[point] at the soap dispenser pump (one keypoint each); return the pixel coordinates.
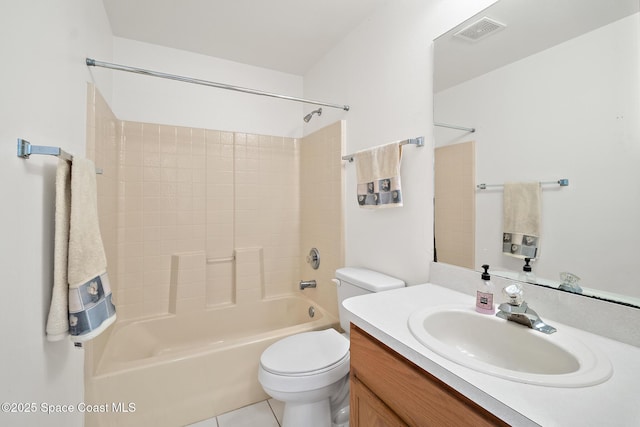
(484, 294)
(526, 275)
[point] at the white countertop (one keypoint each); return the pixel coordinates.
(616, 402)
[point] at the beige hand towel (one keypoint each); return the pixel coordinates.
(378, 176)
(91, 309)
(521, 220)
(58, 320)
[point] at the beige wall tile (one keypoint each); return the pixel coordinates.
(322, 226)
(187, 282)
(219, 284)
(455, 204)
(177, 189)
(104, 139)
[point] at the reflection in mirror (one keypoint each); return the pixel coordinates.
(555, 94)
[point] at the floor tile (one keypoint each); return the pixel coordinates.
(278, 409)
(211, 422)
(258, 414)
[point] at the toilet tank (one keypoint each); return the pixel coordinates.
(353, 281)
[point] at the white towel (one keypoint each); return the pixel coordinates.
(81, 303)
(91, 309)
(58, 320)
(521, 220)
(378, 176)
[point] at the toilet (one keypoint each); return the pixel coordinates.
(309, 371)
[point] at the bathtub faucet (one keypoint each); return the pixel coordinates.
(307, 284)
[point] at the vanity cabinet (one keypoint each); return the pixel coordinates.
(389, 390)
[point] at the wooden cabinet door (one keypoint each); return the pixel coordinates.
(411, 394)
(369, 411)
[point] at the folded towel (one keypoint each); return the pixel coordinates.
(378, 176)
(58, 320)
(521, 233)
(91, 309)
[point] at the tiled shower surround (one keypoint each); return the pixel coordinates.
(235, 214)
(455, 195)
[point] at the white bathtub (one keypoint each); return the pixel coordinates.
(176, 370)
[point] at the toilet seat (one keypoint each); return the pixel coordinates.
(309, 371)
(307, 353)
(304, 362)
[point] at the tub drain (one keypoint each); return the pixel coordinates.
(312, 311)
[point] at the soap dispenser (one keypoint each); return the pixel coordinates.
(484, 294)
(526, 275)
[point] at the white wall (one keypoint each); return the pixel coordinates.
(42, 48)
(150, 99)
(568, 112)
(383, 70)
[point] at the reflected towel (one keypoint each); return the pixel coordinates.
(521, 220)
(58, 320)
(378, 176)
(91, 309)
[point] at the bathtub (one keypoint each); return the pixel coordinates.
(176, 370)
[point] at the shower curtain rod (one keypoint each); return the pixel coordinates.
(94, 63)
(446, 125)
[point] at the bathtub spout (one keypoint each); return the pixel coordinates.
(307, 284)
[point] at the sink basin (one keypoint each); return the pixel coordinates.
(509, 350)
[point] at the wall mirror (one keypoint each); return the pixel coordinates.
(552, 88)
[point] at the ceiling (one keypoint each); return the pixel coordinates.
(531, 26)
(283, 35)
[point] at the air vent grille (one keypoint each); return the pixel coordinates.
(480, 29)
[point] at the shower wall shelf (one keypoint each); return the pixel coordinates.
(231, 258)
(419, 142)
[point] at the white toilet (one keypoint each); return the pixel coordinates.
(309, 371)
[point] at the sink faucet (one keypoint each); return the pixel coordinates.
(570, 283)
(307, 284)
(517, 310)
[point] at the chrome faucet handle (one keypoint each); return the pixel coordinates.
(517, 310)
(508, 308)
(569, 277)
(570, 283)
(514, 293)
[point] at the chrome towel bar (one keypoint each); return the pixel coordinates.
(564, 182)
(26, 149)
(419, 141)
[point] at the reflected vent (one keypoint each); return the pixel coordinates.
(480, 29)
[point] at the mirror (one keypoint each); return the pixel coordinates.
(555, 94)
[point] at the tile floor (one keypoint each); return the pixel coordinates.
(267, 413)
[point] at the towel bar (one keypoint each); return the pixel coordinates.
(564, 182)
(25, 149)
(419, 141)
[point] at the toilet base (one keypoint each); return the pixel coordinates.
(310, 414)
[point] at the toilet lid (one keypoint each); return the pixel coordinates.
(305, 353)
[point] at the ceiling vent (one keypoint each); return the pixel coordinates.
(480, 29)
